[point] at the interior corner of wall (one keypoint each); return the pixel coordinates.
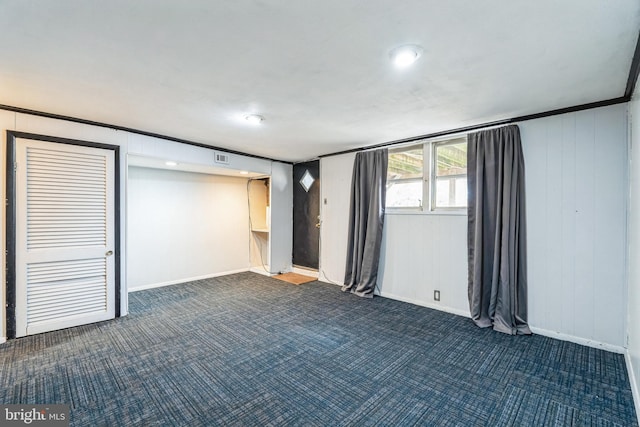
(633, 380)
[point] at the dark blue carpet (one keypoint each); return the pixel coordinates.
(249, 350)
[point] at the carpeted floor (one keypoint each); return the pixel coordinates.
(250, 350)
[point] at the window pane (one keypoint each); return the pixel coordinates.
(404, 194)
(442, 193)
(405, 164)
(451, 159)
(451, 192)
(461, 192)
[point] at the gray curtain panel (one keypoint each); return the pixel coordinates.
(366, 219)
(497, 230)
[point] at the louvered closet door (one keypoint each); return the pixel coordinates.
(64, 236)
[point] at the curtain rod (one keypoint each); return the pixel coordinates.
(486, 125)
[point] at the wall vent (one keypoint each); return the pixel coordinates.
(222, 158)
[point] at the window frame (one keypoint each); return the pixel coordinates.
(434, 178)
(421, 179)
(429, 179)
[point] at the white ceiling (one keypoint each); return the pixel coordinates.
(318, 71)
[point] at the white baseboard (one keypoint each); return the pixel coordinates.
(305, 272)
(439, 307)
(324, 279)
(260, 270)
(578, 340)
(634, 383)
(188, 279)
(535, 330)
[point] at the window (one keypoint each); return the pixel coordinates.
(442, 164)
(404, 177)
(450, 174)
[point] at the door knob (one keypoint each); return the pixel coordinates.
(109, 253)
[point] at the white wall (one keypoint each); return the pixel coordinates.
(335, 193)
(148, 146)
(63, 129)
(420, 252)
(423, 253)
(633, 346)
(577, 185)
(184, 226)
(281, 186)
(576, 177)
(131, 143)
(281, 235)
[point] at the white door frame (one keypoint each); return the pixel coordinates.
(12, 136)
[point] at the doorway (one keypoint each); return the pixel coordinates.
(306, 214)
(62, 233)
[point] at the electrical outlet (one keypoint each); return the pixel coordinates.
(436, 295)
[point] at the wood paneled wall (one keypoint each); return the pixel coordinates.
(633, 303)
(577, 185)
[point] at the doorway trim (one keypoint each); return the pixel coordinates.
(10, 255)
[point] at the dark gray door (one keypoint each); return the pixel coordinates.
(306, 214)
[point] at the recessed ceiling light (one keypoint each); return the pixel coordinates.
(170, 163)
(403, 56)
(244, 173)
(254, 119)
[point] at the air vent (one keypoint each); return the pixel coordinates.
(222, 158)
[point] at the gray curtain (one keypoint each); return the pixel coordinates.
(366, 219)
(497, 230)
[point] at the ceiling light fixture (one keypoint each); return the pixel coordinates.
(254, 119)
(403, 56)
(244, 173)
(170, 163)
